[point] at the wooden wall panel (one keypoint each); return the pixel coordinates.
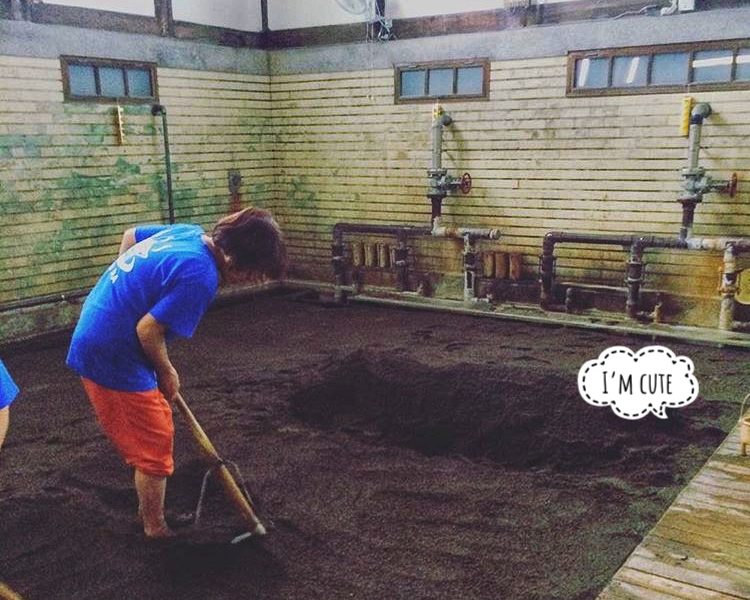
(68, 190)
(539, 161)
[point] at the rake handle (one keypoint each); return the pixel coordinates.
(228, 482)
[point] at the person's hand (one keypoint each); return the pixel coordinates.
(169, 383)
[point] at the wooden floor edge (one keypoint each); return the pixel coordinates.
(666, 587)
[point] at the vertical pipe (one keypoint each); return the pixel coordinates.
(693, 174)
(440, 120)
(728, 289)
(688, 217)
(694, 142)
(337, 262)
(161, 109)
(547, 270)
(634, 279)
(402, 264)
(470, 267)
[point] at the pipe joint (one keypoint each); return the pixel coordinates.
(700, 111)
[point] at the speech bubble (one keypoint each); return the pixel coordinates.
(637, 383)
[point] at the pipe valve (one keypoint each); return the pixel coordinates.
(441, 183)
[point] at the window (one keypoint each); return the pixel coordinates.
(444, 81)
(108, 80)
(669, 68)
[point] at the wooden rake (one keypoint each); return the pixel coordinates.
(236, 493)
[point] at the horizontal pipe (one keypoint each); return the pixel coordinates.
(339, 229)
(556, 237)
(718, 244)
(44, 300)
(451, 231)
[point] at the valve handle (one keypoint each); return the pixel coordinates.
(465, 183)
(732, 187)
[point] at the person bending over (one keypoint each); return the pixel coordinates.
(159, 286)
(8, 393)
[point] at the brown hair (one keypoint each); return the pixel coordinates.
(253, 240)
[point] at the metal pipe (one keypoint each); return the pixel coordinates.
(547, 259)
(43, 300)
(470, 269)
(694, 181)
(718, 244)
(339, 270)
(635, 243)
(339, 229)
(402, 263)
(454, 231)
(634, 280)
(688, 218)
(402, 233)
(700, 111)
(728, 289)
(157, 109)
(438, 179)
(439, 121)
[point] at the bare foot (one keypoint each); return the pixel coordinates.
(158, 533)
(173, 519)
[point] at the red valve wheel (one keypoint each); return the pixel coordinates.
(465, 185)
(732, 189)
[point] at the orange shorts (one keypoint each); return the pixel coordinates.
(139, 424)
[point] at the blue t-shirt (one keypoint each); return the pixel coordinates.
(169, 273)
(8, 387)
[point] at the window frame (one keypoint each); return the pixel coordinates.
(484, 63)
(691, 48)
(97, 63)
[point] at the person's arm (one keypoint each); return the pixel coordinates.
(151, 334)
(128, 240)
(4, 418)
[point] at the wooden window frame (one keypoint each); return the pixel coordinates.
(690, 48)
(484, 63)
(97, 63)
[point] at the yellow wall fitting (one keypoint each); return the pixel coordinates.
(437, 110)
(119, 125)
(687, 107)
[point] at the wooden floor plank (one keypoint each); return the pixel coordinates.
(625, 590)
(649, 583)
(700, 548)
(705, 527)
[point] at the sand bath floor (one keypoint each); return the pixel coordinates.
(398, 454)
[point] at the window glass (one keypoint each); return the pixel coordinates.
(742, 69)
(412, 83)
(82, 81)
(470, 80)
(629, 71)
(669, 68)
(712, 65)
(139, 83)
(112, 82)
(592, 72)
(440, 82)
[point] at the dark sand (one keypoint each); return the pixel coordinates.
(399, 454)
